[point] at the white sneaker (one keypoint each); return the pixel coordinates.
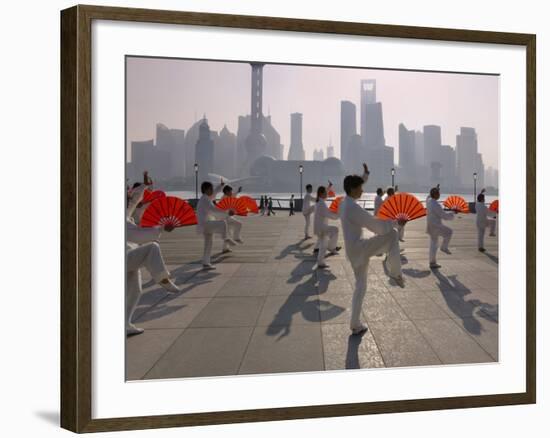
(132, 330)
(170, 286)
(322, 266)
(226, 250)
(230, 241)
(208, 266)
(240, 241)
(359, 330)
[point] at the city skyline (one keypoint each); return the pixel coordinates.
(178, 93)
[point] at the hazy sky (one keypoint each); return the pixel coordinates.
(177, 92)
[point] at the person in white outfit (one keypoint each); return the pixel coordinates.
(483, 221)
(234, 225)
(390, 191)
(359, 249)
(435, 227)
(378, 200)
(327, 235)
(142, 250)
(308, 207)
(211, 220)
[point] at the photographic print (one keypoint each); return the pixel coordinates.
(286, 218)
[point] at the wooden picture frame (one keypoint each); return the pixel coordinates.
(76, 218)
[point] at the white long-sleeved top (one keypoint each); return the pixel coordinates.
(207, 211)
(135, 233)
(322, 215)
(482, 213)
(435, 214)
(308, 204)
(378, 201)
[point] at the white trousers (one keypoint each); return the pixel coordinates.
(234, 227)
(307, 217)
(401, 231)
(327, 239)
(446, 233)
(491, 224)
(387, 243)
(149, 257)
(209, 229)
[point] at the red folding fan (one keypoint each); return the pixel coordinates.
(494, 206)
(335, 204)
(238, 205)
(401, 206)
(168, 210)
(251, 205)
(150, 195)
(331, 193)
(456, 203)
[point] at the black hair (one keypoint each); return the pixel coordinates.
(320, 189)
(352, 182)
(205, 186)
(390, 190)
(309, 186)
(136, 184)
(481, 197)
(433, 191)
(227, 189)
(379, 191)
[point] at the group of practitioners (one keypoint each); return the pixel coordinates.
(143, 250)
(386, 237)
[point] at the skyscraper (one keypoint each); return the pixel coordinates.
(373, 121)
(407, 152)
(255, 142)
(466, 156)
(204, 151)
(368, 96)
(348, 128)
(296, 150)
(432, 144)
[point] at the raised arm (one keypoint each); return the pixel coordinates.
(438, 211)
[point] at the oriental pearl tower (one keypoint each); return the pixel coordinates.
(255, 142)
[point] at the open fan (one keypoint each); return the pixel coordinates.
(335, 204)
(168, 210)
(494, 206)
(150, 195)
(401, 206)
(331, 193)
(238, 205)
(456, 203)
(251, 205)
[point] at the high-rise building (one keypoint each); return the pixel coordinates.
(466, 156)
(448, 166)
(480, 170)
(374, 126)
(172, 141)
(432, 144)
(318, 155)
(255, 142)
(348, 128)
(419, 148)
(274, 148)
(330, 151)
(204, 151)
(296, 150)
(368, 96)
(225, 153)
(407, 159)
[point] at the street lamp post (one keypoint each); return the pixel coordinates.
(475, 183)
(393, 176)
(301, 169)
(197, 182)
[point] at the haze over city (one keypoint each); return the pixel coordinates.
(179, 93)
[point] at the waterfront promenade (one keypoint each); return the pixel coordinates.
(265, 309)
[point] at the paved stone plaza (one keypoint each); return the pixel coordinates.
(265, 309)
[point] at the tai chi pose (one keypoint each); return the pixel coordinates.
(378, 200)
(234, 225)
(147, 255)
(390, 191)
(435, 227)
(359, 250)
(307, 209)
(323, 230)
(208, 225)
(483, 221)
